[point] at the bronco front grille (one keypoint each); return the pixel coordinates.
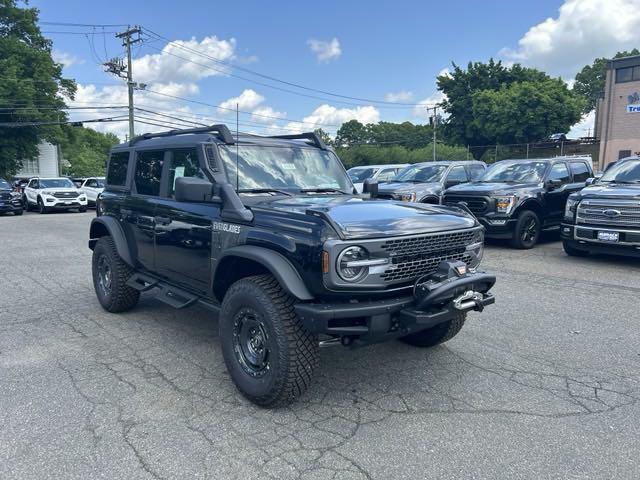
(625, 213)
(413, 257)
(477, 205)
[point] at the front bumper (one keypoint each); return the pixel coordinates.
(10, 205)
(495, 228)
(61, 204)
(585, 238)
(436, 300)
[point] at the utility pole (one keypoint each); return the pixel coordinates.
(116, 66)
(435, 126)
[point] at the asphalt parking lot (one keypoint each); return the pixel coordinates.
(545, 384)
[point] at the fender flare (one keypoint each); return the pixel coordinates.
(278, 265)
(529, 203)
(115, 232)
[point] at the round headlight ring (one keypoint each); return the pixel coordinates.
(352, 274)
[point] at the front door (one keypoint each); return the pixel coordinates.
(183, 231)
(556, 198)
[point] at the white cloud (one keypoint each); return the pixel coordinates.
(66, 59)
(176, 65)
(325, 51)
(584, 128)
(424, 109)
(247, 100)
(266, 114)
(401, 96)
(326, 115)
(582, 31)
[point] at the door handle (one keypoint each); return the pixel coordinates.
(162, 220)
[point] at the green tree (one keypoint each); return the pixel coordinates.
(324, 136)
(31, 86)
(380, 155)
(351, 133)
(461, 85)
(86, 150)
(591, 79)
(524, 112)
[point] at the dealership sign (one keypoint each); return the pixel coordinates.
(633, 103)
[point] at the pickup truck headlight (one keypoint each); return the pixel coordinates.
(570, 209)
(408, 197)
(505, 203)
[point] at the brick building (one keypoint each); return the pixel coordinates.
(618, 112)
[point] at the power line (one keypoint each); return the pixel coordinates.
(67, 24)
(51, 32)
(73, 122)
(275, 79)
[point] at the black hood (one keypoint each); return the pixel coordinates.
(486, 188)
(612, 190)
(358, 217)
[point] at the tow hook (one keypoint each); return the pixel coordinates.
(467, 300)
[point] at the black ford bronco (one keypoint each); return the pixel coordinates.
(269, 233)
(517, 199)
(604, 217)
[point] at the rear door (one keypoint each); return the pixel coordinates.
(556, 199)
(183, 231)
(140, 208)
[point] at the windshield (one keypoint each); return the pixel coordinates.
(283, 168)
(4, 184)
(359, 175)
(517, 172)
(56, 183)
(421, 174)
(623, 172)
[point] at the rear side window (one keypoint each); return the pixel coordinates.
(580, 171)
(475, 172)
(148, 172)
(184, 164)
(118, 165)
(457, 174)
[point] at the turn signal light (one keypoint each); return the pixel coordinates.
(325, 262)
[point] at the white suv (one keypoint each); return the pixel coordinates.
(92, 187)
(47, 194)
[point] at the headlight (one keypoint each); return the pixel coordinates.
(504, 204)
(408, 197)
(350, 264)
(83, 198)
(476, 249)
(570, 209)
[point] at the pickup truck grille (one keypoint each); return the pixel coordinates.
(477, 205)
(624, 213)
(5, 196)
(65, 194)
(413, 257)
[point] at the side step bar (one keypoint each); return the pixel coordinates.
(172, 296)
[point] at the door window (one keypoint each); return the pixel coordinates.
(148, 172)
(458, 175)
(559, 172)
(92, 184)
(386, 175)
(580, 171)
(117, 172)
(183, 164)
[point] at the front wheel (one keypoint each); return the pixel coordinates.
(82, 209)
(573, 252)
(270, 356)
(110, 275)
(441, 333)
(527, 230)
(18, 212)
(41, 207)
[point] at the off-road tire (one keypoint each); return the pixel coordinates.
(119, 297)
(524, 221)
(17, 212)
(441, 333)
(42, 207)
(573, 252)
(293, 352)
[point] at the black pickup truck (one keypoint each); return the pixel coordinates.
(604, 217)
(517, 199)
(269, 233)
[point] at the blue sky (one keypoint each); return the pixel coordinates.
(375, 50)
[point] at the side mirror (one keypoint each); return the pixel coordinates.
(590, 181)
(193, 189)
(553, 183)
(371, 187)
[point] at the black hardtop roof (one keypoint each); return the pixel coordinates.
(218, 134)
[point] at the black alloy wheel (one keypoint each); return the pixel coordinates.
(251, 342)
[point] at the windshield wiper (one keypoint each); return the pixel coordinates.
(265, 190)
(321, 190)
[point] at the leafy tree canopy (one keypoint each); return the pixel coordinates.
(591, 79)
(381, 155)
(384, 133)
(32, 88)
(86, 150)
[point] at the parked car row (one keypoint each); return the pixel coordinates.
(49, 194)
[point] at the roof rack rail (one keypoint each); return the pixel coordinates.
(221, 130)
(313, 136)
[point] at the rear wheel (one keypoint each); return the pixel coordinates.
(573, 252)
(527, 230)
(270, 356)
(436, 335)
(110, 275)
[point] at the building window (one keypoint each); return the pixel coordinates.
(627, 74)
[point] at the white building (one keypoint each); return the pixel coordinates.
(46, 164)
